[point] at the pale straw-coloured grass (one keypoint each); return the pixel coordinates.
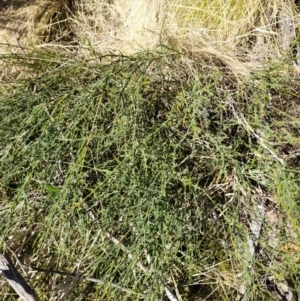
(242, 35)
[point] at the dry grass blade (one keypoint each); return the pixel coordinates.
(122, 289)
(69, 288)
(169, 294)
(241, 119)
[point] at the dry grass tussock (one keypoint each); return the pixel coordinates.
(239, 34)
(26, 23)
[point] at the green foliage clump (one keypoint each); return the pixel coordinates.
(170, 163)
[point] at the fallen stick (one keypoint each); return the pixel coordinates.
(15, 280)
